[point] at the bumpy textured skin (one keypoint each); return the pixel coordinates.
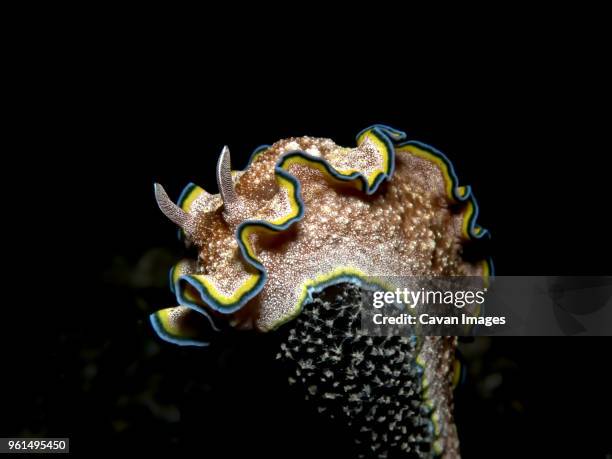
(373, 384)
(306, 214)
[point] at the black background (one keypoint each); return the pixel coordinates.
(522, 125)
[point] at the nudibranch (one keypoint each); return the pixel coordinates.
(307, 214)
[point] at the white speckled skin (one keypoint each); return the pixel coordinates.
(406, 228)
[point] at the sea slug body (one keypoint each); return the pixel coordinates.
(306, 214)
